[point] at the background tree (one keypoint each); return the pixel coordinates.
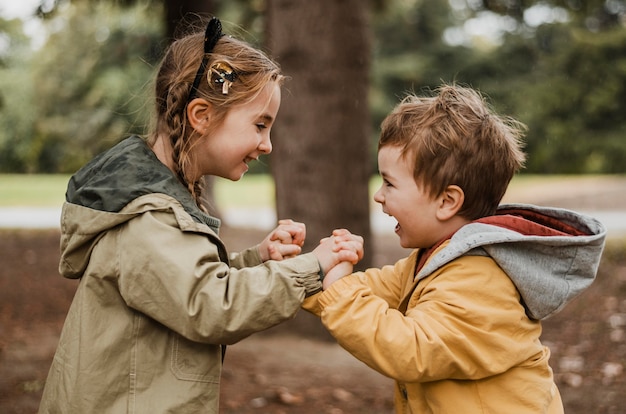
(557, 65)
(76, 97)
(187, 11)
(16, 90)
(321, 158)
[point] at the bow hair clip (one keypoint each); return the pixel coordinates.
(221, 73)
(212, 34)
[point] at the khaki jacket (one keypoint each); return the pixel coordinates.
(158, 300)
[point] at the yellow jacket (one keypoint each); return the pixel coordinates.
(461, 334)
(462, 345)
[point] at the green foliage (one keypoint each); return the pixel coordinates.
(89, 85)
(15, 92)
(573, 102)
(410, 54)
(566, 81)
(83, 90)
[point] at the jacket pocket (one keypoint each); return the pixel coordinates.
(194, 361)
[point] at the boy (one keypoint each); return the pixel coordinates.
(457, 323)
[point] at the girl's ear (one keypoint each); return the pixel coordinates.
(450, 202)
(198, 114)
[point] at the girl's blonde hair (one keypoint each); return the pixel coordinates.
(456, 139)
(253, 70)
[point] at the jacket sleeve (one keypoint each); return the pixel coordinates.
(246, 258)
(383, 284)
(463, 322)
(176, 278)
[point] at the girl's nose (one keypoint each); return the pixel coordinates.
(266, 145)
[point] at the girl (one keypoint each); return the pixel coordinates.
(159, 296)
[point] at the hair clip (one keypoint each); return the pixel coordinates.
(221, 73)
(212, 34)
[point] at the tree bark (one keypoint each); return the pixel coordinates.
(187, 11)
(321, 158)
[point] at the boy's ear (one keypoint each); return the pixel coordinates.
(198, 114)
(451, 201)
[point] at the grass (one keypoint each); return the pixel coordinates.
(253, 190)
(33, 190)
(48, 190)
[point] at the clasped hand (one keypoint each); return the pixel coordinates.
(337, 254)
(285, 241)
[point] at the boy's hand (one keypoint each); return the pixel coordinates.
(339, 247)
(342, 269)
(284, 241)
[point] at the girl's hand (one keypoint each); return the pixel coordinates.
(284, 241)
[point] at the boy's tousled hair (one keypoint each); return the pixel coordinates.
(173, 83)
(456, 139)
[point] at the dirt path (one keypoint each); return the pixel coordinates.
(286, 373)
(280, 371)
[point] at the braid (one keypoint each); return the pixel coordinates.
(198, 190)
(176, 124)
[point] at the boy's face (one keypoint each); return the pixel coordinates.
(401, 198)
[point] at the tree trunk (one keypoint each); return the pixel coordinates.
(187, 11)
(321, 159)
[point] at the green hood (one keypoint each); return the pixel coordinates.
(115, 187)
(125, 172)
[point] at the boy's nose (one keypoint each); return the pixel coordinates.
(378, 196)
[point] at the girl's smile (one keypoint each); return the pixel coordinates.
(241, 138)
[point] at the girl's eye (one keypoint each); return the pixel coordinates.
(261, 127)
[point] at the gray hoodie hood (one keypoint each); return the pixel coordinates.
(550, 254)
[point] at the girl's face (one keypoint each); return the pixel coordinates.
(242, 137)
(401, 197)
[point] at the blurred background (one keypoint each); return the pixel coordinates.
(76, 78)
(75, 75)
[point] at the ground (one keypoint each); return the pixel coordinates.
(286, 371)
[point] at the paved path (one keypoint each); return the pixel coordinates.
(603, 197)
(48, 217)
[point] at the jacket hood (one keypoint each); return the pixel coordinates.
(111, 189)
(550, 254)
(125, 172)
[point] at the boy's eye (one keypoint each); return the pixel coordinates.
(261, 126)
